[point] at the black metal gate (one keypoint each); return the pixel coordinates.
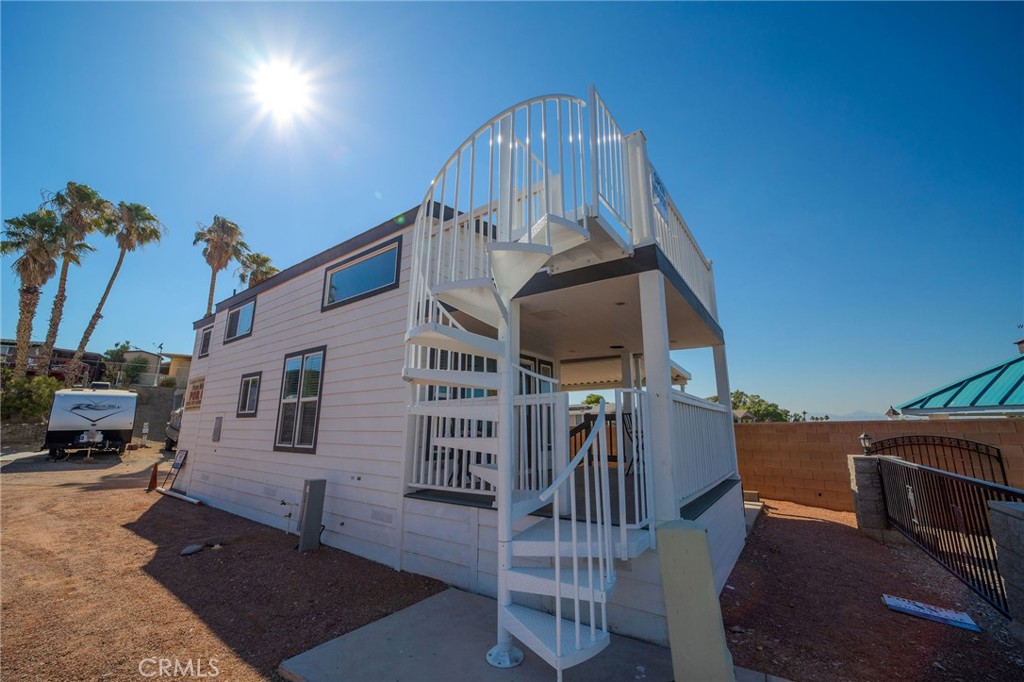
(964, 457)
(946, 515)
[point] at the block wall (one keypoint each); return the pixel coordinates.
(806, 462)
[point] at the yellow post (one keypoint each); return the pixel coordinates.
(695, 630)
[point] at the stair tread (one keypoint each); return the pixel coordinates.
(446, 377)
(476, 297)
(538, 539)
(442, 408)
(470, 443)
(564, 233)
(537, 630)
(442, 336)
(541, 580)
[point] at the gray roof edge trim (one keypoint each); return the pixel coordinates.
(385, 229)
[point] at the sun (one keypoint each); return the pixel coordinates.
(282, 89)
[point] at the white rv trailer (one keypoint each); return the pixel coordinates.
(89, 418)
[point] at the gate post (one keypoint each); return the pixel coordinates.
(868, 499)
(1007, 522)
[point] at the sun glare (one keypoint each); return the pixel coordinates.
(282, 89)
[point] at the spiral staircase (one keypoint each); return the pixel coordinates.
(510, 200)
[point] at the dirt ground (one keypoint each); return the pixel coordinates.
(93, 586)
(804, 602)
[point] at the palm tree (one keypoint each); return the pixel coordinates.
(81, 211)
(133, 226)
(223, 243)
(254, 268)
(35, 236)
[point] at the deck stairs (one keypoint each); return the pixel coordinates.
(510, 203)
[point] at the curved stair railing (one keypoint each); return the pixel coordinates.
(511, 197)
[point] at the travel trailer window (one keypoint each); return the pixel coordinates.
(204, 342)
(240, 321)
(249, 394)
(370, 273)
(299, 412)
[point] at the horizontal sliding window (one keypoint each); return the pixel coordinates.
(367, 274)
(240, 321)
(299, 414)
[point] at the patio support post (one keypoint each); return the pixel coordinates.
(725, 397)
(659, 391)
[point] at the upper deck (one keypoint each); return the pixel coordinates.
(563, 157)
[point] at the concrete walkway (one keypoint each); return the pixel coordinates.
(445, 638)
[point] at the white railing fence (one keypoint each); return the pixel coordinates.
(633, 464)
(702, 437)
(609, 167)
(673, 235)
(524, 163)
(444, 417)
(589, 566)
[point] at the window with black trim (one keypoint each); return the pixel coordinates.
(240, 321)
(249, 394)
(205, 337)
(367, 274)
(299, 413)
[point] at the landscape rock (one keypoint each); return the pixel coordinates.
(192, 549)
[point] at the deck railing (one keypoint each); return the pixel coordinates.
(609, 168)
(633, 464)
(677, 243)
(702, 438)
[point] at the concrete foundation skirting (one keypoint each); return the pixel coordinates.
(1007, 522)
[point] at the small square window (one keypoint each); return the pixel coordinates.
(368, 274)
(240, 321)
(249, 394)
(204, 341)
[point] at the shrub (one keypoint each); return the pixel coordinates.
(169, 382)
(27, 399)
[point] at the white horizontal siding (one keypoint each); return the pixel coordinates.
(360, 439)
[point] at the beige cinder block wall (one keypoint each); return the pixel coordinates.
(805, 462)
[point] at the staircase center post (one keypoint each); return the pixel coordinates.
(504, 654)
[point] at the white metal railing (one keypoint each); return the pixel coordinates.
(677, 243)
(609, 169)
(702, 440)
(443, 455)
(590, 562)
(526, 162)
(633, 464)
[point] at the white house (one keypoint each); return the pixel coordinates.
(417, 367)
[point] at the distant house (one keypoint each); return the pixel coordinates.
(743, 417)
(60, 359)
(177, 367)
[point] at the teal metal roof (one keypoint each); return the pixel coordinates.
(997, 389)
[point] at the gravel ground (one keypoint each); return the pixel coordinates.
(93, 585)
(805, 602)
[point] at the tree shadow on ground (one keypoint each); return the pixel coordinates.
(261, 597)
(804, 601)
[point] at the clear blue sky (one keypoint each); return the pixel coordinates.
(855, 171)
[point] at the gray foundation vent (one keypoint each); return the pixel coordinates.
(312, 513)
